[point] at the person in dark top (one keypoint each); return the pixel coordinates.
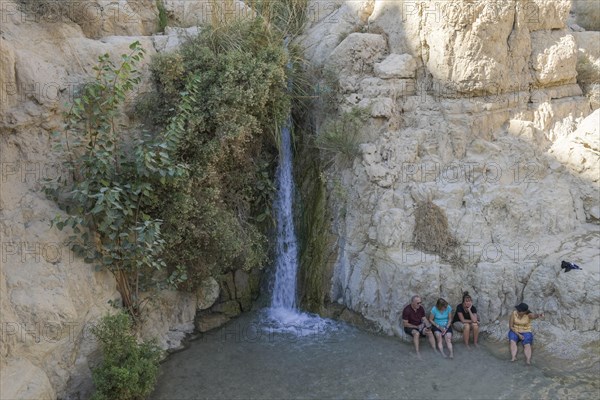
(415, 324)
(466, 320)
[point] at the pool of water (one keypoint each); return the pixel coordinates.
(251, 359)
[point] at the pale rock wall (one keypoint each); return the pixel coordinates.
(49, 298)
(486, 129)
(189, 13)
(587, 14)
(97, 18)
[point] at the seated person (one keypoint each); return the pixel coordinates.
(441, 317)
(519, 330)
(466, 320)
(415, 324)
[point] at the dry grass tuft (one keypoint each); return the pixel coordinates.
(431, 233)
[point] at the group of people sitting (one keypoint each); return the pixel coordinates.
(442, 319)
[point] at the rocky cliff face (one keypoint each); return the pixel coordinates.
(476, 112)
(49, 298)
(476, 107)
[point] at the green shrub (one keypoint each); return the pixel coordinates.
(163, 19)
(129, 369)
(114, 188)
(227, 90)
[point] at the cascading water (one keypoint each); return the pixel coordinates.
(283, 315)
(286, 261)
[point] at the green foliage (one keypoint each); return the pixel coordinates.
(129, 369)
(313, 235)
(115, 179)
(163, 20)
(229, 88)
(287, 16)
(341, 135)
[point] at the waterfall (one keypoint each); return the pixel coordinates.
(283, 315)
(286, 251)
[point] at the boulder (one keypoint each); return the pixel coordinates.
(207, 293)
(208, 322)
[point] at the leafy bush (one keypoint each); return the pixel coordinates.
(129, 369)
(229, 85)
(115, 179)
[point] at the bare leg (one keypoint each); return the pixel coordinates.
(449, 344)
(438, 337)
(527, 351)
(431, 339)
(476, 335)
(513, 350)
(466, 331)
(416, 342)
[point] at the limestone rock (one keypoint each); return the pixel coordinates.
(8, 79)
(396, 66)
(587, 14)
(243, 290)
(487, 130)
(554, 56)
(229, 308)
(173, 38)
(357, 53)
(207, 293)
(588, 65)
(31, 381)
(330, 21)
(380, 107)
(205, 323)
(169, 317)
(541, 14)
(580, 153)
(195, 13)
(227, 285)
(49, 294)
(99, 18)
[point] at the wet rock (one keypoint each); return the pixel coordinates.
(243, 291)
(207, 322)
(229, 308)
(227, 287)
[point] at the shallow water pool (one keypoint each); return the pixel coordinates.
(247, 359)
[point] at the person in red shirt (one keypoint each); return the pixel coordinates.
(416, 324)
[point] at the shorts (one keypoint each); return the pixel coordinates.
(527, 337)
(436, 329)
(459, 326)
(409, 331)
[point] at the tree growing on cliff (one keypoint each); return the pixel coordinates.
(114, 180)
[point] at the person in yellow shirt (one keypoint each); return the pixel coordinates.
(519, 326)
